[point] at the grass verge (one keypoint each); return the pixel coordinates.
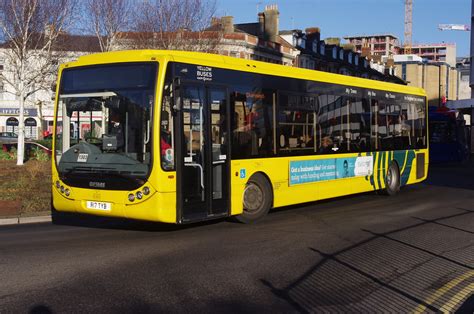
(25, 189)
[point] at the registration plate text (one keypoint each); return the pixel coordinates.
(99, 205)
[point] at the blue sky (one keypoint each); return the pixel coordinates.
(338, 18)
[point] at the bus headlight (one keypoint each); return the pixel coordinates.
(62, 188)
(139, 195)
(131, 197)
(58, 184)
(146, 190)
(67, 192)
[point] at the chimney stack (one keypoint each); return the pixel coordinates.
(261, 25)
(313, 34)
(271, 17)
(227, 24)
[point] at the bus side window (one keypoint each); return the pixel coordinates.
(359, 122)
(239, 138)
(325, 142)
(374, 137)
(295, 123)
(252, 124)
(383, 124)
(420, 124)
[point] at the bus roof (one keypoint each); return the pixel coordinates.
(219, 61)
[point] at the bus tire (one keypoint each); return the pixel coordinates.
(258, 199)
(392, 179)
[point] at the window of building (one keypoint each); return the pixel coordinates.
(404, 71)
(301, 42)
(31, 130)
(12, 125)
(322, 48)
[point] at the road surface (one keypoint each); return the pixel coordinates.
(411, 252)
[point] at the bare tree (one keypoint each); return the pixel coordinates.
(30, 29)
(175, 24)
(106, 19)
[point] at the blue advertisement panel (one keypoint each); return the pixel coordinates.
(306, 171)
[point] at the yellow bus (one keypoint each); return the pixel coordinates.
(181, 137)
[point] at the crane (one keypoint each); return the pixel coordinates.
(453, 27)
(408, 25)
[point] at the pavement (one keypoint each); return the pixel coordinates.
(24, 220)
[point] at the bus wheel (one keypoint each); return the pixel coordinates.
(392, 179)
(257, 199)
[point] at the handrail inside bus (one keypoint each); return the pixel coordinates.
(199, 166)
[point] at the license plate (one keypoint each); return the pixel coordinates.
(99, 205)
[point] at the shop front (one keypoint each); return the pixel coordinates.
(9, 121)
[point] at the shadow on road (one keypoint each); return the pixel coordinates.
(453, 175)
(467, 307)
(90, 221)
(40, 309)
(393, 266)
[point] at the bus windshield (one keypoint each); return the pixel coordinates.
(104, 125)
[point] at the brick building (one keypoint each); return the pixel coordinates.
(379, 44)
(259, 41)
(442, 52)
(330, 56)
